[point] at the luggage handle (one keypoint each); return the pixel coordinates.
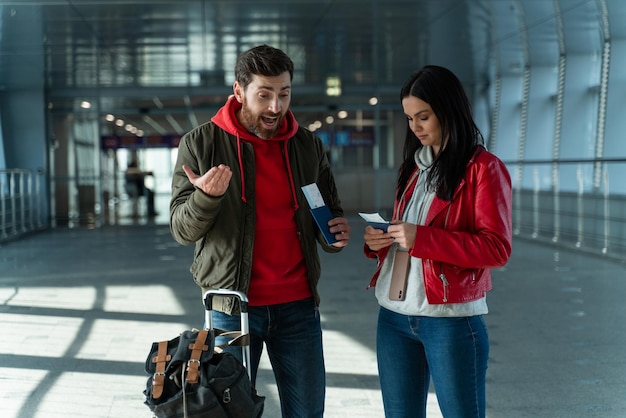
(243, 307)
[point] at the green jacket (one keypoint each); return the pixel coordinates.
(223, 228)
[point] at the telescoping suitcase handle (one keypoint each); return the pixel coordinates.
(243, 307)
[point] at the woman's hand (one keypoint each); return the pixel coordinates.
(403, 233)
(376, 239)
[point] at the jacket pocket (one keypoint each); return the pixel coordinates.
(453, 284)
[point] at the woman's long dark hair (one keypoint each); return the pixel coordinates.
(443, 91)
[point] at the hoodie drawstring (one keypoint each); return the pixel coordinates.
(243, 177)
(292, 185)
(290, 175)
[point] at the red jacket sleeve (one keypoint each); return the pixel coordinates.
(474, 230)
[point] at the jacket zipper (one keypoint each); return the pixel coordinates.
(444, 280)
(442, 275)
(240, 276)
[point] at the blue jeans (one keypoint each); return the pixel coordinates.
(292, 334)
(412, 349)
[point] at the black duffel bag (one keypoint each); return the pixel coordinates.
(189, 379)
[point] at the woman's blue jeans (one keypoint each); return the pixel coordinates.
(292, 334)
(412, 349)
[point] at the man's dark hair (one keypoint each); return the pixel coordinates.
(262, 60)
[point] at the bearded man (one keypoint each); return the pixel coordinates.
(236, 195)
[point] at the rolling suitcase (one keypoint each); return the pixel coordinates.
(241, 337)
(191, 377)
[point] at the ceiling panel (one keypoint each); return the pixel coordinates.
(168, 64)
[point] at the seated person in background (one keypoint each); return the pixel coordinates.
(135, 187)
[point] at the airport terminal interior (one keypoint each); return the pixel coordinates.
(90, 274)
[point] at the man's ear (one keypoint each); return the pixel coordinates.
(238, 91)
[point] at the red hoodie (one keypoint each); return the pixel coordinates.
(278, 269)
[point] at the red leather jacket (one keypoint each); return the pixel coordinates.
(463, 238)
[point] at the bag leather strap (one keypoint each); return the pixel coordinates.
(161, 359)
(235, 339)
(193, 365)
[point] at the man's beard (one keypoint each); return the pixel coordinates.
(254, 125)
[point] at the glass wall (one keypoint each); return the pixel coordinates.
(558, 123)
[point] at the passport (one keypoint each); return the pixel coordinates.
(321, 213)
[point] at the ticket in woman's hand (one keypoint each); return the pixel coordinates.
(375, 220)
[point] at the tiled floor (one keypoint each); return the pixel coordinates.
(80, 308)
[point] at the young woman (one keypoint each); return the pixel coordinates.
(451, 225)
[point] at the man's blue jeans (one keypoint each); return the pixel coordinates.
(411, 349)
(292, 334)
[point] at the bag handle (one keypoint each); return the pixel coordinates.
(235, 339)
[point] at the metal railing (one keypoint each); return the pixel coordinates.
(21, 202)
(581, 215)
(584, 215)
